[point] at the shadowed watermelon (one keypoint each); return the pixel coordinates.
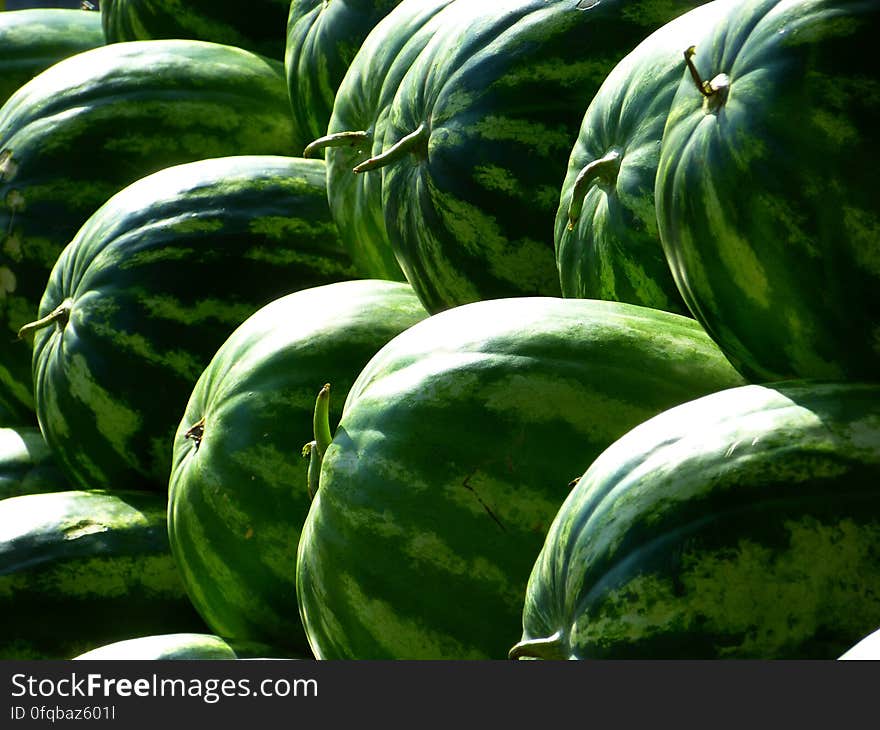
(83, 568)
(32, 40)
(256, 25)
(767, 187)
(322, 40)
(152, 285)
(94, 123)
(453, 454)
(742, 525)
(607, 243)
(27, 465)
(356, 131)
(238, 493)
(478, 135)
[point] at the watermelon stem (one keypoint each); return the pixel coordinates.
(196, 432)
(544, 648)
(59, 315)
(338, 139)
(605, 167)
(316, 449)
(321, 420)
(714, 89)
(401, 148)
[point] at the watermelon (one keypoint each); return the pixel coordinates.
(163, 647)
(32, 40)
(607, 244)
(356, 131)
(183, 646)
(322, 40)
(11, 414)
(867, 648)
(94, 123)
(454, 452)
(742, 525)
(151, 286)
(84, 568)
(478, 133)
(257, 25)
(238, 493)
(767, 186)
(27, 465)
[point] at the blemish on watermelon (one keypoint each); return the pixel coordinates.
(8, 166)
(7, 282)
(83, 528)
(196, 432)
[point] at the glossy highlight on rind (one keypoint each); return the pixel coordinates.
(34, 39)
(766, 191)
(92, 124)
(361, 105)
(503, 88)
(27, 465)
(322, 40)
(456, 447)
(238, 497)
(606, 237)
(157, 279)
(742, 525)
(84, 568)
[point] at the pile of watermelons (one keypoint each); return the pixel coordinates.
(440, 329)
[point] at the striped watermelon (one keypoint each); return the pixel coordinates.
(452, 457)
(257, 25)
(152, 285)
(766, 188)
(84, 568)
(27, 465)
(868, 648)
(478, 134)
(607, 244)
(238, 491)
(163, 647)
(92, 124)
(322, 40)
(32, 40)
(184, 646)
(356, 131)
(745, 524)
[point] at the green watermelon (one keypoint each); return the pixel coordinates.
(868, 648)
(356, 131)
(607, 244)
(152, 285)
(84, 568)
(767, 186)
(452, 456)
(478, 133)
(183, 646)
(238, 490)
(94, 123)
(742, 525)
(27, 465)
(163, 647)
(322, 40)
(32, 40)
(256, 25)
